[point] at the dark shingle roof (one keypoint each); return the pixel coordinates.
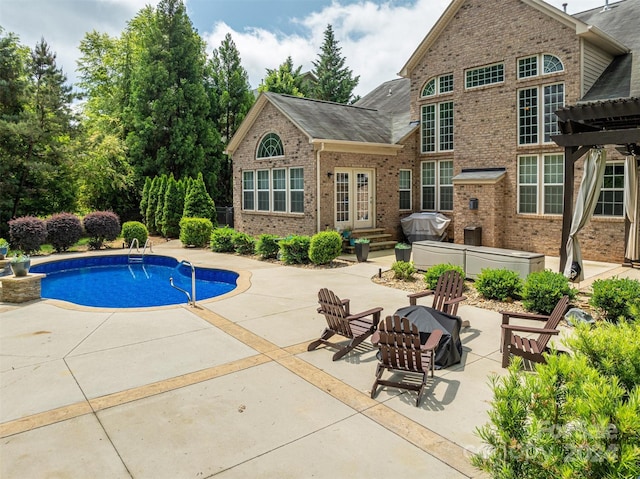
(376, 118)
(620, 21)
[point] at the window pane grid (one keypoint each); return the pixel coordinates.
(485, 75)
(528, 67)
(553, 101)
(342, 197)
(430, 88)
(428, 128)
(270, 146)
(528, 181)
(296, 189)
(404, 187)
(552, 64)
(445, 84)
(248, 192)
(528, 116)
(279, 182)
(611, 199)
(446, 126)
(263, 190)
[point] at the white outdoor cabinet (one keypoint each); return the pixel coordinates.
(429, 253)
(522, 262)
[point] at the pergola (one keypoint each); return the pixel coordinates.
(589, 125)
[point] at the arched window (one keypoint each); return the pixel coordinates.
(552, 64)
(270, 145)
(430, 88)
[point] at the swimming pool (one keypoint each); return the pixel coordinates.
(113, 282)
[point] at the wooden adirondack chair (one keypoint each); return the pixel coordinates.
(530, 348)
(447, 295)
(357, 327)
(400, 351)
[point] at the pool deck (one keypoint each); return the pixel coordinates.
(229, 390)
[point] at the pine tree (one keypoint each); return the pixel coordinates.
(285, 79)
(335, 82)
(173, 207)
(162, 188)
(144, 201)
(150, 214)
(198, 203)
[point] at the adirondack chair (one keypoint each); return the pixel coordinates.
(447, 295)
(357, 327)
(530, 348)
(400, 351)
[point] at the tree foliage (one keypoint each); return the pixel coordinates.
(286, 80)
(335, 82)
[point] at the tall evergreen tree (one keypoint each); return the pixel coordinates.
(36, 131)
(198, 203)
(285, 79)
(231, 99)
(162, 189)
(173, 208)
(150, 213)
(335, 81)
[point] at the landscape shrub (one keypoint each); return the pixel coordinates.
(567, 421)
(198, 203)
(152, 202)
(144, 200)
(325, 246)
(615, 297)
(195, 231)
(403, 270)
(173, 208)
(27, 233)
(267, 246)
(432, 274)
(63, 231)
(295, 249)
(612, 349)
(134, 229)
(221, 240)
(243, 243)
(101, 226)
(501, 284)
(543, 289)
(159, 213)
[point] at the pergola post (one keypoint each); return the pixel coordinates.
(567, 207)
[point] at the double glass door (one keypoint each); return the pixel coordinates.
(354, 198)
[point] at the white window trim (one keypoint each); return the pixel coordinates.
(540, 184)
(262, 158)
(437, 127)
(485, 85)
(437, 86)
(271, 190)
(541, 107)
(437, 186)
(410, 190)
(613, 163)
(540, 66)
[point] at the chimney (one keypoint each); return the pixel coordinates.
(564, 7)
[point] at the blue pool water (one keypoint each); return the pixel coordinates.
(111, 282)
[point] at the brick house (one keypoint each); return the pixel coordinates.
(472, 118)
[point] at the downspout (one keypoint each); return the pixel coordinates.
(318, 187)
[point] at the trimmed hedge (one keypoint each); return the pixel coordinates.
(543, 289)
(325, 246)
(63, 231)
(501, 284)
(268, 246)
(432, 274)
(243, 243)
(27, 234)
(195, 231)
(295, 249)
(221, 240)
(615, 297)
(403, 270)
(134, 229)
(101, 226)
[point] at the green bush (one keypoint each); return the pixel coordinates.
(159, 214)
(198, 203)
(221, 240)
(403, 270)
(134, 229)
(195, 231)
(295, 249)
(500, 284)
(267, 246)
(615, 297)
(172, 209)
(432, 274)
(243, 243)
(614, 350)
(152, 202)
(325, 247)
(567, 421)
(543, 289)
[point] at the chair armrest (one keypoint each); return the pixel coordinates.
(375, 338)
(369, 312)
(511, 314)
(432, 341)
(529, 329)
(455, 300)
(414, 296)
(345, 304)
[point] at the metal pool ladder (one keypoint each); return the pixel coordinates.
(138, 257)
(191, 298)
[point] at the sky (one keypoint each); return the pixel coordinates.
(376, 37)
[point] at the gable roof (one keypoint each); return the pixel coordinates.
(375, 120)
(584, 30)
(621, 79)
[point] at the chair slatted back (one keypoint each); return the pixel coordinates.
(450, 285)
(399, 344)
(335, 312)
(552, 323)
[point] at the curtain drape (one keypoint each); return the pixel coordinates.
(632, 251)
(586, 201)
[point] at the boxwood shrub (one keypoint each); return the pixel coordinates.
(27, 233)
(403, 270)
(221, 240)
(615, 297)
(295, 249)
(325, 246)
(195, 231)
(101, 226)
(63, 231)
(432, 274)
(267, 246)
(134, 229)
(501, 284)
(243, 243)
(543, 289)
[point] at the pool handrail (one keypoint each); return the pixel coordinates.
(191, 298)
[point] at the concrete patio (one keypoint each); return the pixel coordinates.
(228, 389)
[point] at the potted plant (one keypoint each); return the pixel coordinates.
(4, 248)
(362, 249)
(20, 264)
(403, 252)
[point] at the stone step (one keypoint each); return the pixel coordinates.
(373, 246)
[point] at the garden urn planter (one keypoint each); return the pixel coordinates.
(403, 252)
(20, 268)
